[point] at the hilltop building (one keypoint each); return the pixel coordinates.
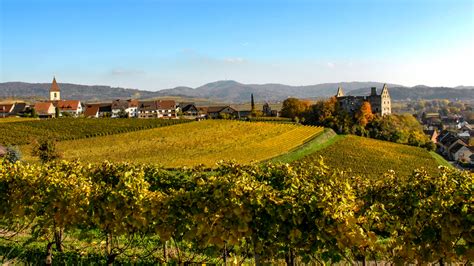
(381, 104)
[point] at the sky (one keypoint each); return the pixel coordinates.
(160, 44)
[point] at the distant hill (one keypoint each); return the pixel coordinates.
(230, 91)
(69, 91)
(425, 92)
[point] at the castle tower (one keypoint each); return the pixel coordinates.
(340, 93)
(373, 91)
(54, 91)
(386, 101)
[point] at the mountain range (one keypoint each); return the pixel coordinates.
(231, 91)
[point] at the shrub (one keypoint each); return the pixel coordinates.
(13, 154)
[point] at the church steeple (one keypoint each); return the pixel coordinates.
(340, 93)
(54, 91)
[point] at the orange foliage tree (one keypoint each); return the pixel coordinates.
(364, 115)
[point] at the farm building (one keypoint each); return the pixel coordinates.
(6, 109)
(219, 111)
(72, 107)
(461, 152)
(158, 109)
(97, 110)
(128, 107)
(44, 109)
(92, 111)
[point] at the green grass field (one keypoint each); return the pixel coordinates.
(320, 141)
(372, 157)
(190, 144)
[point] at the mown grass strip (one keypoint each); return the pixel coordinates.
(440, 160)
(324, 139)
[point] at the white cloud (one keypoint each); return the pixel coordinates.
(234, 60)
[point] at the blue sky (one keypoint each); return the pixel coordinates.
(157, 44)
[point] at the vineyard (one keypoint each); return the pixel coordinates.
(16, 119)
(191, 144)
(21, 132)
(371, 157)
(75, 213)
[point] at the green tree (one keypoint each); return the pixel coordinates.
(57, 113)
(122, 114)
(13, 154)
(46, 150)
(252, 103)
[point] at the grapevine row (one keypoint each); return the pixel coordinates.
(266, 212)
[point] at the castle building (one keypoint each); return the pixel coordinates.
(54, 91)
(381, 104)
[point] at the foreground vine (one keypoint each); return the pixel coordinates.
(264, 213)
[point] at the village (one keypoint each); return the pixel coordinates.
(451, 133)
(453, 136)
(130, 108)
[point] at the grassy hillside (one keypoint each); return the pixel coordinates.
(374, 157)
(190, 144)
(23, 131)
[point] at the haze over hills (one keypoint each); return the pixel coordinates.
(231, 91)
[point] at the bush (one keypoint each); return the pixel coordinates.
(13, 154)
(46, 150)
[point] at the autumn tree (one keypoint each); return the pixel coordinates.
(293, 107)
(364, 115)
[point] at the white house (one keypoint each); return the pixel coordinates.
(158, 109)
(72, 107)
(461, 153)
(130, 107)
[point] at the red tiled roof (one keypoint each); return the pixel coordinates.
(92, 110)
(202, 109)
(54, 85)
(218, 109)
(68, 105)
(166, 104)
(158, 105)
(42, 108)
(6, 108)
(132, 103)
(124, 104)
